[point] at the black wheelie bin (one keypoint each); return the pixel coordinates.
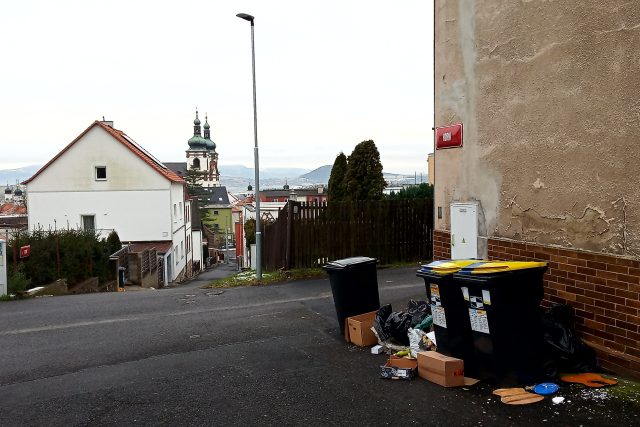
(354, 284)
(503, 302)
(449, 310)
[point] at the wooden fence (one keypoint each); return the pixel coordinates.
(309, 235)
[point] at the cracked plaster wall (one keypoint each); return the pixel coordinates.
(547, 93)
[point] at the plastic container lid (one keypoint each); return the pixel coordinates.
(447, 267)
(488, 267)
(546, 389)
(341, 264)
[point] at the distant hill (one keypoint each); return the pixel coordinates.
(11, 176)
(320, 175)
(240, 171)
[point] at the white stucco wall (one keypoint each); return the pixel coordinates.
(75, 169)
(135, 215)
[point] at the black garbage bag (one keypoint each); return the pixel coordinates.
(419, 310)
(379, 322)
(567, 349)
(397, 325)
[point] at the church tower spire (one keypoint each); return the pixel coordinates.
(207, 132)
(196, 125)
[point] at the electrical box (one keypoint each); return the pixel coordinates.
(464, 230)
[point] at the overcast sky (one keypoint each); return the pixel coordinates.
(330, 74)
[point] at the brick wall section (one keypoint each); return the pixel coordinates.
(603, 289)
(441, 245)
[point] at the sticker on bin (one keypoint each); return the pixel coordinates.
(435, 295)
(476, 302)
(465, 293)
(478, 320)
(437, 310)
(486, 297)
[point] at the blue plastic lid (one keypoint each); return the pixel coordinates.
(545, 389)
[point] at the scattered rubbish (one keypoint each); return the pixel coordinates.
(357, 329)
(595, 394)
(589, 379)
(399, 369)
(470, 381)
(426, 324)
(546, 389)
(419, 341)
(440, 369)
(213, 294)
(376, 349)
(517, 396)
(432, 337)
(194, 336)
(557, 400)
(389, 324)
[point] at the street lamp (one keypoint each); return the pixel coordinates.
(250, 18)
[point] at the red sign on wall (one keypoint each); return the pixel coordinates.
(449, 136)
(25, 251)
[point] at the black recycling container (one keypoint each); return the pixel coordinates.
(503, 302)
(354, 284)
(449, 310)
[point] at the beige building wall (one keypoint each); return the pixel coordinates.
(431, 168)
(547, 94)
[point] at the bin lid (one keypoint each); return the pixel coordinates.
(447, 266)
(488, 267)
(349, 262)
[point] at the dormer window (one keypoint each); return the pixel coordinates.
(101, 173)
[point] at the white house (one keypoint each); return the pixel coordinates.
(103, 180)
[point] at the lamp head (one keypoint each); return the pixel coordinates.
(246, 17)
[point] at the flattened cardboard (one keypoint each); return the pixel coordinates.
(440, 369)
(357, 329)
(399, 369)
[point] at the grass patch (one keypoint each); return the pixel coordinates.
(248, 278)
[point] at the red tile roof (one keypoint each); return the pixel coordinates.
(11, 209)
(121, 137)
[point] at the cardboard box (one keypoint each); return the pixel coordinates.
(440, 369)
(357, 329)
(399, 368)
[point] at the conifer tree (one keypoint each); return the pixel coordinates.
(337, 188)
(364, 179)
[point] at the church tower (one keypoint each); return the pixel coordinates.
(202, 155)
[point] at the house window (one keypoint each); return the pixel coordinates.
(181, 210)
(101, 173)
(176, 252)
(175, 212)
(196, 163)
(215, 212)
(181, 249)
(88, 222)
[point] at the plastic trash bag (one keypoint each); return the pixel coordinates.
(418, 310)
(379, 323)
(397, 325)
(563, 345)
(426, 324)
(419, 341)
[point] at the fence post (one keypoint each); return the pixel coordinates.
(287, 262)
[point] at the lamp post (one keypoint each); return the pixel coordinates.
(250, 18)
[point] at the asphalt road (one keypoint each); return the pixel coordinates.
(245, 356)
